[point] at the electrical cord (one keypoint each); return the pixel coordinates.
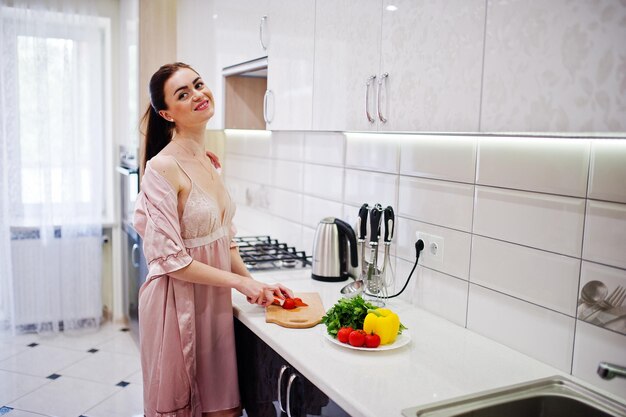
(419, 246)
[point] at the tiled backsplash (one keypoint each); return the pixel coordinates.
(526, 222)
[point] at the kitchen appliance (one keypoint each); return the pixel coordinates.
(134, 267)
(335, 255)
(262, 253)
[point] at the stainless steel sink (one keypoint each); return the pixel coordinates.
(549, 397)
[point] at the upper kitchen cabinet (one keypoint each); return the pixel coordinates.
(289, 96)
(432, 52)
(347, 62)
(241, 30)
(555, 66)
(416, 68)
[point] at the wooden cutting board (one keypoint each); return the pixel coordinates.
(299, 317)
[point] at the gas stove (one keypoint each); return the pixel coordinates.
(262, 253)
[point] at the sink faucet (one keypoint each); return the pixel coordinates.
(609, 371)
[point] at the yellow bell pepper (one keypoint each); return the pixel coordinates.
(383, 322)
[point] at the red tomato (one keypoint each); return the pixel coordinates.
(372, 340)
(343, 334)
(357, 338)
(289, 304)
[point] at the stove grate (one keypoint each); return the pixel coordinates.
(265, 253)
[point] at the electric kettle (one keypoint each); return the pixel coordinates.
(334, 251)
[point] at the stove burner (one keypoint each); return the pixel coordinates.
(265, 253)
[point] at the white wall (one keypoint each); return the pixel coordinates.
(525, 222)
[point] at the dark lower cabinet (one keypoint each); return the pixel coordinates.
(270, 386)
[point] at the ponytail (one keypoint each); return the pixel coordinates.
(158, 130)
(158, 134)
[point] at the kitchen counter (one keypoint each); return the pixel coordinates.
(442, 360)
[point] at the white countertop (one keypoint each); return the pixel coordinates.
(442, 361)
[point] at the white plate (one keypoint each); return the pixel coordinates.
(400, 341)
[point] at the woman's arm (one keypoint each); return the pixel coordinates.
(239, 267)
(256, 292)
(236, 263)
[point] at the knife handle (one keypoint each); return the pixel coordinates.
(375, 217)
(390, 222)
(363, 221)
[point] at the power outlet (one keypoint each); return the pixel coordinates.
(433, 247)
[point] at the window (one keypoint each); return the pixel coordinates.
(61, 116)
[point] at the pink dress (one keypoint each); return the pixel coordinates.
(187, 339)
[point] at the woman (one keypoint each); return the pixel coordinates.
(184, 215)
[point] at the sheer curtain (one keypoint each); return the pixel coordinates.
(52, 147)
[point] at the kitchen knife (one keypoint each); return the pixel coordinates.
(375, 216)
(363, 221)
(389, 224)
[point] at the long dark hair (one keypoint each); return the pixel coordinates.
(158, 130)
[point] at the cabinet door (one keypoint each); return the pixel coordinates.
(347, 53)
(432, 52)
(291, 31)
(240, 29)
(555, 66)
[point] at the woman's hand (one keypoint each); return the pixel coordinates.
(260, 293)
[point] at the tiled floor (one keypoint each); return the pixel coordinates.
(95, 374)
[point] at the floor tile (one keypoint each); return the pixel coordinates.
(106, 367)
(65, 397)
(14, 385)
(135, 378)
(122, 343)
(22, 413)
(84, 340)
(128, 402)
(21, 339)
(10, 349)
(42, 360)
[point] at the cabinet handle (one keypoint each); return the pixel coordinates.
(291, 379)
(368, 83)
(383, 77)
(265, 96)
(261, 25)
(280, 379)
(133, 255)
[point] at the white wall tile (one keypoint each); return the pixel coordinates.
(285, 204)
(594, 345)
(438, 293)
(557, 166)
(439, 202)
(308, 235)
(540, 277)
(288, 175)
(257, 170)
(607, 177)
(326, 148)
(286, 231)
(377, 152)
(605, 233)
(315, 209)
(439, 157)
(323, 181)
(542, 221)
(250, 222)
(249, 142)
(371, 187)
(237, 189)
(456, 257)
(288, 145)
(530, 329)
